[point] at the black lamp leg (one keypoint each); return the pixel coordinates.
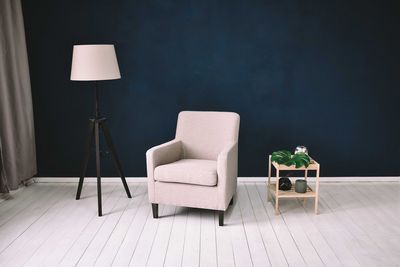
(86, 159)
(110, 145)
(98, 169)
(94, 128)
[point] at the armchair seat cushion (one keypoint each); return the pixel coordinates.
(188, 171)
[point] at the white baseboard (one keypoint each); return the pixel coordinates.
(240, 179)
(88, 179)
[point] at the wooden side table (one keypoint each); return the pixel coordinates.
(273, 188)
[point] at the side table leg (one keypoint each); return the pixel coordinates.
(277, 193)
(305, 178)
(317, 192)
(269, 179)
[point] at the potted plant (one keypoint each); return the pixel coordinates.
(285, 157)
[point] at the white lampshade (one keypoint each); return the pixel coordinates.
(94, 63)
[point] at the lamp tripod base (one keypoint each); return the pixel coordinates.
(95, 125)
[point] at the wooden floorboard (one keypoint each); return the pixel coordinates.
(285, 237)
(177, 239)
(255, 242)
(208, 242)
(43, 225)
(114, 242)
(191, 249)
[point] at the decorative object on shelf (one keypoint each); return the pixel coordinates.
(301, 149)
(284, 157)
(285, 184)
(96, 63)
(300, 186)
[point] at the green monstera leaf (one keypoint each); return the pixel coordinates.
(281, 156)
(286, 158)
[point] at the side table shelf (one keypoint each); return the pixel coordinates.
(273, 188)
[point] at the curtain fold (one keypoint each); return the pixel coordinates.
(17, 136)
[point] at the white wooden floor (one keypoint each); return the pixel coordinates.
(43, 225)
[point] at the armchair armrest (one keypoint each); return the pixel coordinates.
(162, 154)
(227, 172)
(159, 155)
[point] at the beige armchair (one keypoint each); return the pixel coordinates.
(198, 168)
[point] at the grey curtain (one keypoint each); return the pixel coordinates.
(17, 138)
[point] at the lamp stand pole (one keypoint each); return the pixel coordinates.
(95, 125)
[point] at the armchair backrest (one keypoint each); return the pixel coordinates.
(204, 134)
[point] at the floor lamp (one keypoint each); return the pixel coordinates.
(96, 63)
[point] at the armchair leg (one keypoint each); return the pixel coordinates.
(221, 217)
(154, 207)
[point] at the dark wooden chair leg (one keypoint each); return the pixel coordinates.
(231, 203)
(154, 207)
(221, 217)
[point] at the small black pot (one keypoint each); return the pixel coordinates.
(285, 184)
(300, 186)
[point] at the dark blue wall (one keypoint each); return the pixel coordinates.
(325, 74)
